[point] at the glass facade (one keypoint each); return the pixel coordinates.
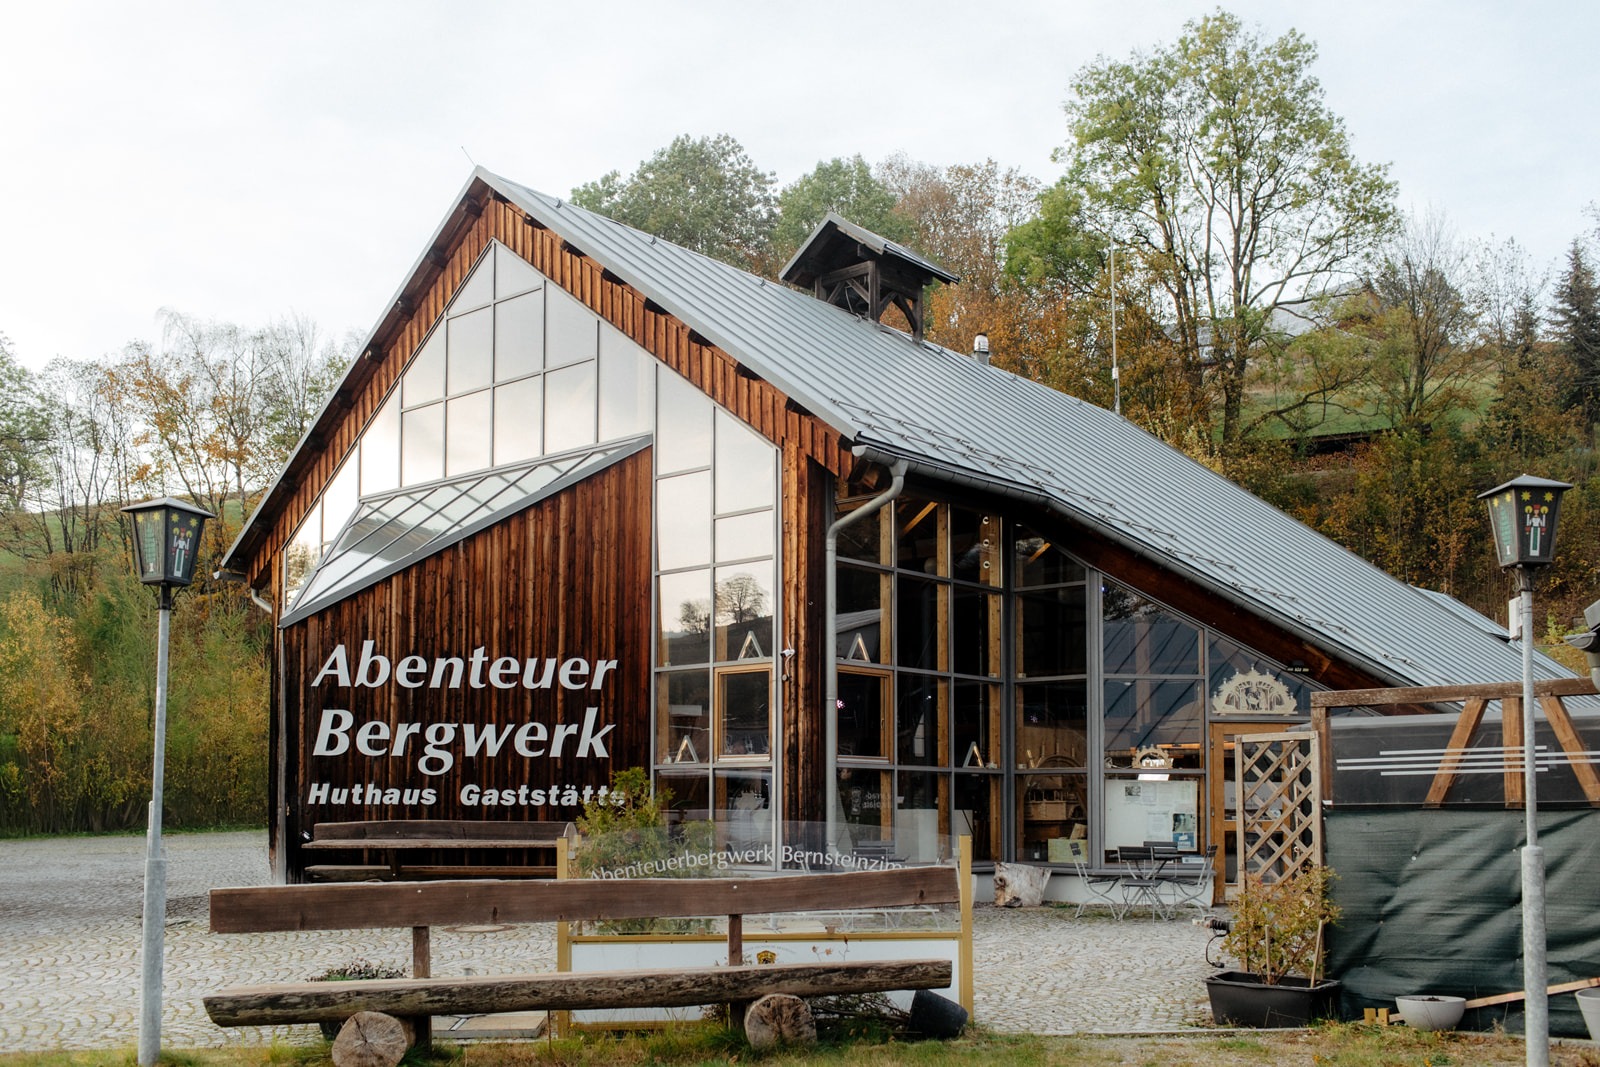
(990, 683)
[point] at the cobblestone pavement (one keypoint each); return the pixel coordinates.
(70, 935)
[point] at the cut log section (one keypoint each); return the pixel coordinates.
(372, 1039)
(779, 1019)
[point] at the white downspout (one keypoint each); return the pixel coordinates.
(830, 686)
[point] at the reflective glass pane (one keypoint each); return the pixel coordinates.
(301, 553)
(921, 616)
(744, 813)
(569, 403)
(863, 538)
(1052, 724)
(512, 273)
(1038, 562)
(863, 704)
(1053, 811)
(469, 433)
(572, 331)
(975, 724)
(470, 358)
(744, 705)
(745, 599)
(1052, 636)
(979, 805)
(424, 378)
(683, 520)
(422, 444)
(975, 546)
(518, 336)
(922, 816)
(518, 416)
(339, 499)
(976, 631)
(1244, 682)
(744, 536)
(1141, 637)
(683, 723)
(922, 720)
(691, 793)
(477, 290)
(684, 602)
(859, 598)
(1143, 713)
(627, 386)
(380, 449)
(683, 425)
(746, 466)
(920, 544)
(866, 809)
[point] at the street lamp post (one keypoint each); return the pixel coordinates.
(1522, 514)
(166, 538)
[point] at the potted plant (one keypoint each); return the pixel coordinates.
(1276, 937)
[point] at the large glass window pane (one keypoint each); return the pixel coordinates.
(339, 499)
(422, 444)
(744, 708)
(518, 336)
(860, 624)
(424, 378)
(627, 386)
(300, 555)
(922, 720)
(572, 331)
(471, 354)
(1141, 637)
(1052, 724)
(863, 538)
(683, 716)
(979, 811)
(975, 722)
(1052, 822)
(746, 466)
(477, 290)
(1052, 637)
(518, 419)
(976, 631)
(380, 449)
(689, 795)
(922, 828)
(744, 603)
(469, 433)
(684, 603)
(512, 273)
(683, 520)
(865, 816)
(975, 546)
(744, 813)
(683, 425)
(744, 536)
(921, 621)
(569, 407)
(920, 544)
(1150, 713)
(1244, 682)
(863, 704)
(1038, 562)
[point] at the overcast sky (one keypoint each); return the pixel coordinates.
(242, 161)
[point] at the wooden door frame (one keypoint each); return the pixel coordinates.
(1220, 830)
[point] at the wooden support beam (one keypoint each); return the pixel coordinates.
(1450, 766)
(1433, 694)
(421, 998)
(1572, 744)
(1511, 737)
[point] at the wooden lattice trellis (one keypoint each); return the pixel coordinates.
(1278, 778)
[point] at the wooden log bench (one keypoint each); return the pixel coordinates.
(400, 841)
(423, 905)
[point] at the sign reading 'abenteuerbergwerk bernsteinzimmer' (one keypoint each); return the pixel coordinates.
(398, 749)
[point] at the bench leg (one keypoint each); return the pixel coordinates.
(422, 967)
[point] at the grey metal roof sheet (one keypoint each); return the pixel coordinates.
(958, 420)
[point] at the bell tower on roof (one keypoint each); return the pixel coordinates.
(844, 264)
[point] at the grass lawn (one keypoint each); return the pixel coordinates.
(1335, 1045)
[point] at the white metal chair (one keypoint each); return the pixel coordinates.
(1101, 888)
(1195, 882)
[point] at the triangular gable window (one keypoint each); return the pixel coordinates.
(389, 533)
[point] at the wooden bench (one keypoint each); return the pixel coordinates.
(399, 840)
(423, 905)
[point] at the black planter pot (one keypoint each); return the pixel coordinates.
(1239, 998)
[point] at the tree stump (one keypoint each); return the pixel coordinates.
(372, 1039)
(1019, 885)
(779, 1019)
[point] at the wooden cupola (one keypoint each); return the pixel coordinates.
(843, 264)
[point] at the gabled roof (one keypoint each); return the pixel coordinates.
(831, 243)
(956, 421)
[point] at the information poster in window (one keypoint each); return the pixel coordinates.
(1151, 810)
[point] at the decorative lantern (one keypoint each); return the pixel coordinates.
(1523, 515)
(166, 540)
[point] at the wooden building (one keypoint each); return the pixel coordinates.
(589, 501)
